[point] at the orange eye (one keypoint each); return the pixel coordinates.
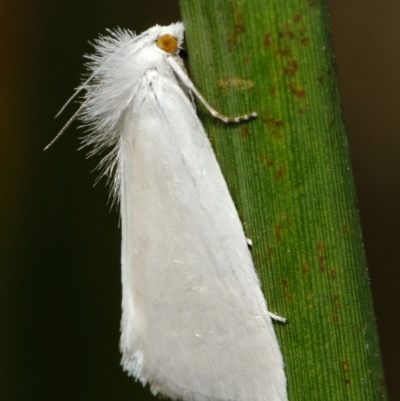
(168, 43)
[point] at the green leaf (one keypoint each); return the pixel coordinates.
(289, 174)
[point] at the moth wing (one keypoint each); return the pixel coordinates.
(195, 323)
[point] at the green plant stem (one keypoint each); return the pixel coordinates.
(289, 174)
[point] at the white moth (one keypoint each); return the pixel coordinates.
(195, 324)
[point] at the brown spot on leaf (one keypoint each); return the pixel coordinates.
(286, 33)
(239, 27)
(291, 68)
(236, 11)
(235, 83)
(280, 172)
(333, 274)
(297, 18)
(336, 315)
(278, 135)
(321, 263)
(266, 162)
(267, 40)
(232, 40)
(269, 252)
(298, 92)
(304, 41)
(303, 30)
(302, 110)
(278, 232)
(273, 91)
(283, 51)
(345, 366)
(289, 296)
(244, 132)
(305, 269)
(345, 229)
(321, 80)
(277, 132)
(268, 120)
(321, 257)
(280, 51)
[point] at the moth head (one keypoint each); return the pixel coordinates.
(168, 43)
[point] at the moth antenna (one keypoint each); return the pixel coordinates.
(69, 122)
(95, 73)
(76, 94)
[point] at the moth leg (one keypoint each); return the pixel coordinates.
(190, 85)
(277, 317)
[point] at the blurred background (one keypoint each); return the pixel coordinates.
(60, 244)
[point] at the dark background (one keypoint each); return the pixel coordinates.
(60, 245)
